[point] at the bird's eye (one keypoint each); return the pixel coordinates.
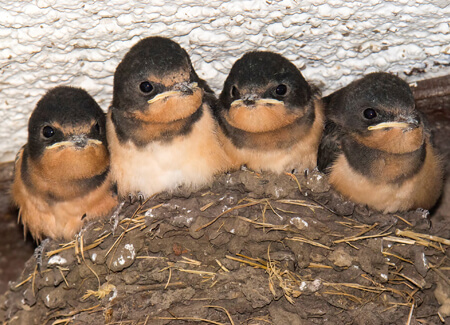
(370, 113)
(146, 87)
(281, 90)
(97, 127)
(48, 131)
(235, 92)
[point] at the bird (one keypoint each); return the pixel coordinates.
(160, 128)
(61, 176)
(377, 147)
(270, 117)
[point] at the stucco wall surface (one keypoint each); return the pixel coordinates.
(44, 43)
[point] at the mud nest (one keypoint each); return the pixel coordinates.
(250, 249)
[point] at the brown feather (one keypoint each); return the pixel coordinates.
(395, 140)
(191, 159)
(261, 118)
(264, 153)
(170, 109)
(419, 191)
(59, 219)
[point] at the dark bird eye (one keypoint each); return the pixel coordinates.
(48, 131)
(281, 90)
(235, 92)
(146, 87)
(370, 113)
(97, 127)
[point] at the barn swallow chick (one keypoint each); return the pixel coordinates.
(160, 128)
(377, 148)
(270, 117)
(62, 173)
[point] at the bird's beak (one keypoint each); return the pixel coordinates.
(78, 141)
(404, 122)
(254, 100)
(182, 88)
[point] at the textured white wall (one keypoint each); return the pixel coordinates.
(44, 43)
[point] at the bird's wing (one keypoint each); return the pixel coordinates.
(330, 146)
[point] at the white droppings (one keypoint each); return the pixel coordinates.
(114, 295)
(149, 213)
(303, 286)
(130, 248)
(47, 298)
(119, 260)
(384, 276)
(57, 260)
(316, 284)
(232, 231)
(94, 257)
(183, 220)
(298, 222)
(312, 286)
(425, 261)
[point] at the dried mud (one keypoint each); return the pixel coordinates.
(250, 249)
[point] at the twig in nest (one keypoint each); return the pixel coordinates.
(71, 314)
(194, 319)
(415, 235)
(302, 203)
(296, 180)
(71, 244)
(319, 266)
(410, 313)
(286, 281)
(255, 265)
(372, 289)
(259, 260)
(190, 261)
(307, 241)
(206, 206)
(119, 239)
(222, 308)
(151, 208)
(413, 281)
(228, 211)
(399, 257)
(404, 220)
(101, 293)
(350, 239)
(399, 240)
(264, 224)
(365, 228)
(64, 321)
(222, 266)
(82, 255)
(61, 269)
(196, 272)
(168, 280)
